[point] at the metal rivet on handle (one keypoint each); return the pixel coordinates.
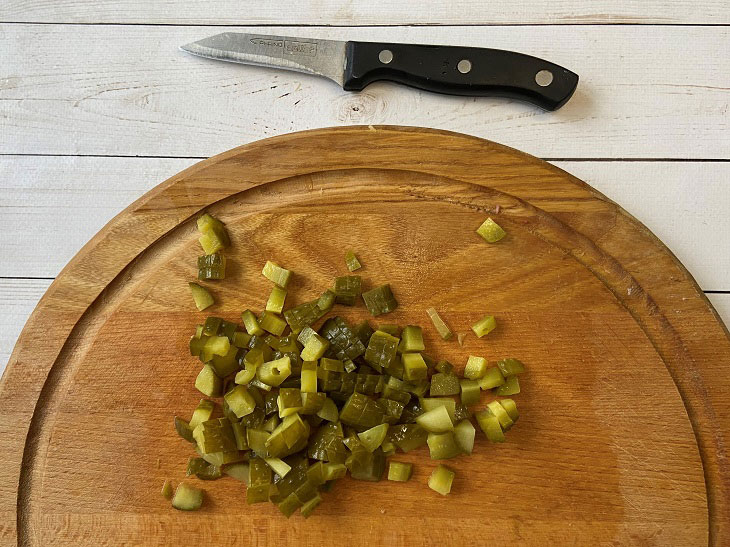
(385, 56)
(544, 78)
(464, 66)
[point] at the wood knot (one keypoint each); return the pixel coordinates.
(359, 108)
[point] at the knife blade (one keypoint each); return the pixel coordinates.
(451, 70)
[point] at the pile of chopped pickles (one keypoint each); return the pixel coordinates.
(303, 406)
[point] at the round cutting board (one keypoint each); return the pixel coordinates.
(625, 408)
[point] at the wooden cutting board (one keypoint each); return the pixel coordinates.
(625, 406)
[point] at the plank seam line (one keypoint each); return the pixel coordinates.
(385, 25)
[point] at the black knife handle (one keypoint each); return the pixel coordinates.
(455, 70)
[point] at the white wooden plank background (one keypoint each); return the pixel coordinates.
(80, 102)
(368, 12)
(645, 92)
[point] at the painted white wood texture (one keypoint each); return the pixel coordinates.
(368, 12)
(645, 92)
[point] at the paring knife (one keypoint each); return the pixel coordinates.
(452, 70)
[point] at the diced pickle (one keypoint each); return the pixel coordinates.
(361, 411)
(280, 467)
(273, 373)
(366, 466)
(511, 408)
(351, 261)
(272, 323)
(217, 345)
(441, 327)
(400, 471)
(492, 378)
(345, 344)
(167, 489)
(184, 430)
(208, 223)
(461, 412)
(326, 444)
(202, 298)
(334, 471)
(275, 303)
(224, 365)
(187, 497)
(464, 433)
(276, 274)
(326, 300)
(489, 424)
(510, 367)
(442, 446)
(392, 410)
(291, 436)
(256, 440)
(363, 331)
(238, 471)
(511, 386)
(407, 437)
(436, 420)
(390, 328)
(484, 326)
(475, 367)
(444, 384)
(309, 377)
(434, 402)
(444, 367)
(271, 423)
(249, 373)
(251, 324)
(259, 481)
(381, 350)
(470, 392)
(499, 411)
(197, 343)
(212, 266)
(215, 436)
(314, 348)
(289, 505)
(347, 288)
(490, 231)
(411, 339)
(312, 403)
(241, 339)
(208, 382)
(441, 480)
(372, 438)
(202, 412)
(289, 401)
(414, 367)
(212, 325)
(329, 411)
(380, 300)
(303, 315)
(219, 459)
(310, 505)
(239, 434)
(203, 470)
(305, 334)
(240, 401)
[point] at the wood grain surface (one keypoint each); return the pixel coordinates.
(626, 406)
